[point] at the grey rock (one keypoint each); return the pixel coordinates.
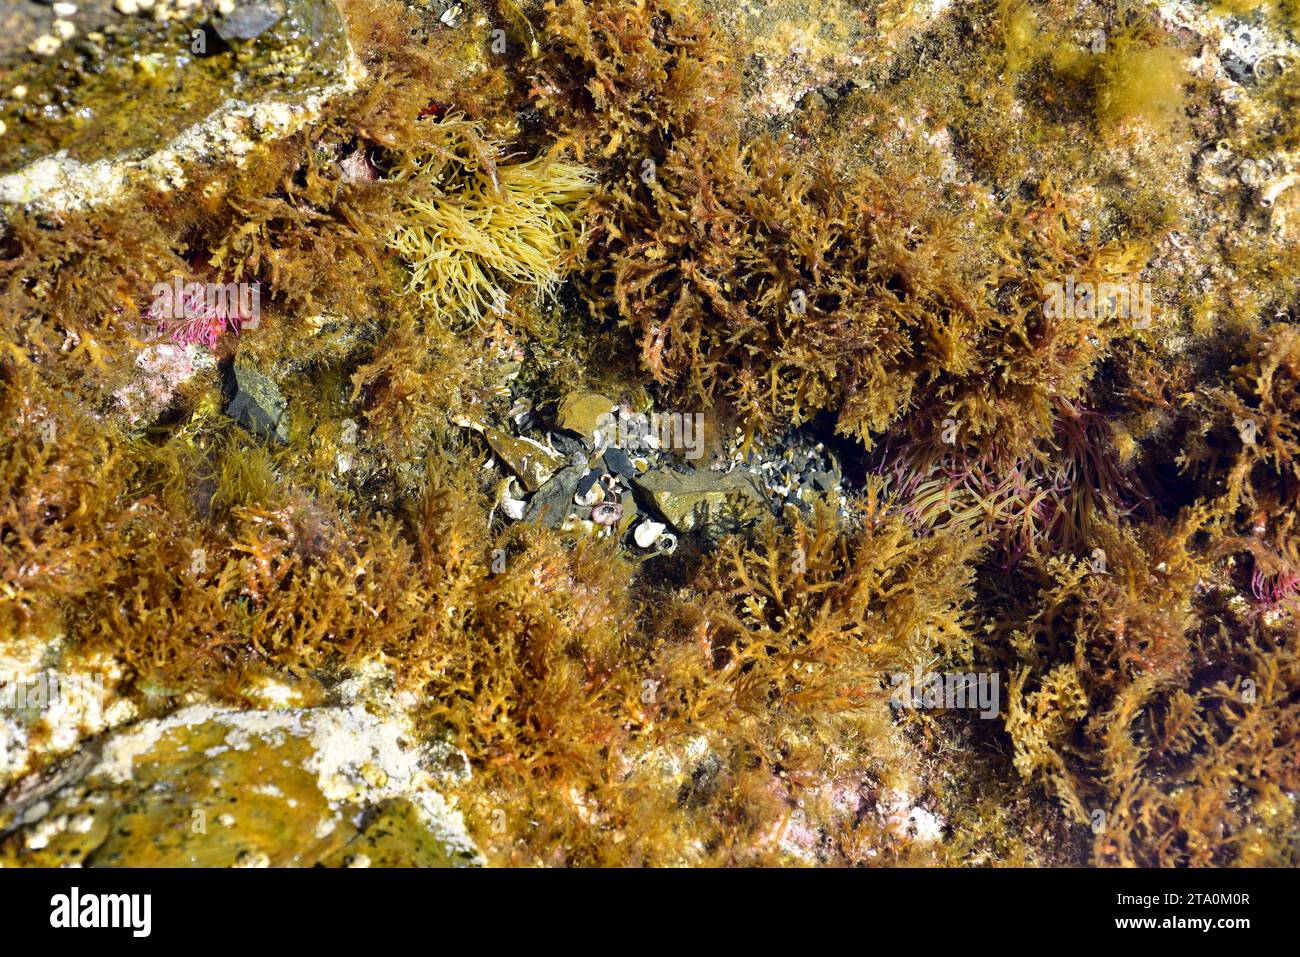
(586, 482)
(619, 462)
(709, 502)
(533, 462)
(258, 405)
(824, 481)
(249, 20)
(553, 501)
(629, 514)
(567, 445)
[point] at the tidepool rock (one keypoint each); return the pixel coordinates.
(619, 462)
(248, 19)
(215, 788)
(580, 413)
(554, 500)
(136, 100)
(397, 834)
(708, 502)
(533, 462)
(257, 404)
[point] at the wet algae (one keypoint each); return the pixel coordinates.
(527, 215)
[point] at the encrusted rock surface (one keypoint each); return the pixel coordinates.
(218, 788)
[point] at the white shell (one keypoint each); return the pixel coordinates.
(647, 533)
(513, 507)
